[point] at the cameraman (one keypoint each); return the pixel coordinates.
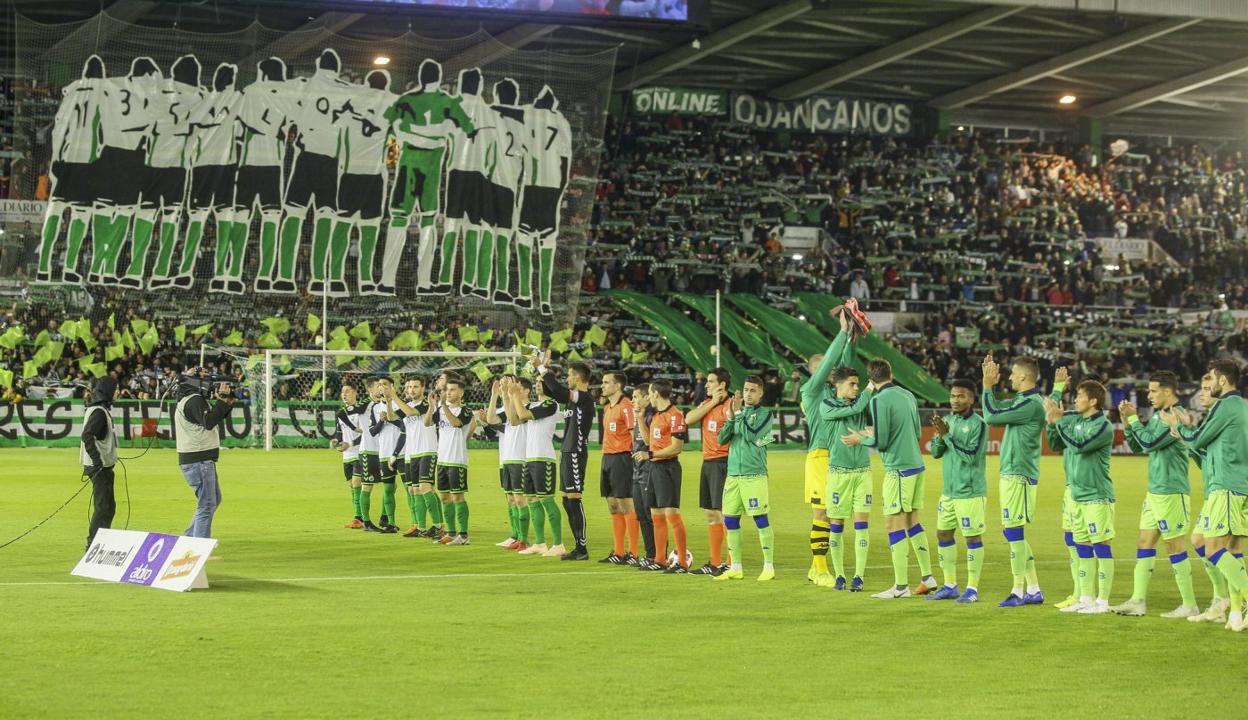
(98, 453)
(195, 422)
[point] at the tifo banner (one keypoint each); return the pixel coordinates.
(824, 114)
(268, 162)
(168, 562)
(682, 100)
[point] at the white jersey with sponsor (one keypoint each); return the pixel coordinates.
(509, 137)
(368, 441)
(172, 127)
(364, 131)
(511, 442)
(389, 436)
(320, 102)
(77, 122)
(421, 440)
(475, 154)
(549, 147)
(216, 129)
(453, 441)
(263, 110)
(539, 434)
(350, 432)
(128, 110)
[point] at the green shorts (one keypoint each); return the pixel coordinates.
(965, 514)
(745, 495)
(1018, 500)
(1096, 522)
(1224, 513)
(848, 492)
(902, 494)
(417, 181)
(1068, 511)
(1168, 514)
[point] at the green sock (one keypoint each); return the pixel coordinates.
(387, 502)
(899, 549)
(513, 522)
(947, 555)
(422, 511)
(1236, 575)
(446, 272)
(116, 239)
(434, 504)
(1033, 579)
(1183, 578)
(1018, 565)
(268, 248)
(461, 510)
(862, 543)
(470, 256)
(366, 498)
(1074, 570)
(448, 512)
(767, 540)
(522, 520)
(836, 549)
(164, 254)
(190, 251)
(99, 240)
(1143, 573)
(77, 231)
(1219, 581)
(138, 251)
(524, 264)
(288, 247)
(502, 260)
(224, 228)
(974, 564)
(1087, 577)
(546, 270)
(238, 247)
(411, 505)
(538, 514)
(355, 500)
(556, 519)
(368, 247)
(320, 246)
(918, 541)
(339, 242)
(51, 230)
(734, 546)
(1104, 577)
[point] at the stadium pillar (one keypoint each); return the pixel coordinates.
(1088, 133)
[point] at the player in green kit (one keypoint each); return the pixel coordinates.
(895, 435)
(1220, 603)
(848, 489)
(961, 442)
(1165, 512)
(1023, 418)
(1086, 439)
(748, 427)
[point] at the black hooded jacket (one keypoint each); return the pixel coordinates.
(98, 427)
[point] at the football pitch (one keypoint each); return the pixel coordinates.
(307, 619)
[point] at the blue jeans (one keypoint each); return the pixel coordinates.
(202, 477)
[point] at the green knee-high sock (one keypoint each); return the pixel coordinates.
(974, 563)
(1074, 571)
(446, 271)
(387, 502)
(368, 248)
(320, 246)
(899, 549)
(502, 260)
(1145, 560)
(918, 541)
(99, 241)
(1018, 565)
(524, 265)
(190, 251)
(366, 499)
(411, 505)
(470, 256)
(164, 254)
(448, 513)
(77, 231)
(546, 270)
(1233, 570)
(422, 510)
(340, 241)
(1033, 579)
(836, 548)
(1104, 577)
(862, 544)
(1218, 580)
(513, 522)
(138, 251)
(288, 247)
(485, 259)
(355, 500)
(222, 257)
(947, 555)
(51, 231)
(556, 519)
(767, 541)
(268, 248)
(734, 545)
(238, 247)
(1183, 578)
(537, 513)
(116, 239)
(434, 504)
(1087, 577)
(461, 509)
(522, 522)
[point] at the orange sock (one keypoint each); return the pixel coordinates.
(716, 532)
(634, 532)
(682, 538)
(617, 533)
(660, 537)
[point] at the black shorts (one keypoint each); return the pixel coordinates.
(400, 469)
(166, 187)
(120, 176)
(261, 185)
(422, 469)
(616, 477)
(376, 471)
(313, 176)
(512, 476)
(572, 471)
(539, 209)
(466, 194)
(539, 477)
(351, 469)
(665, 483)
(500, 207)
(212, 186)
(711, 488)
(74, 182)
(452, 479)
(362, 194)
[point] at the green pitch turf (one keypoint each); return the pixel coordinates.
(307, 619)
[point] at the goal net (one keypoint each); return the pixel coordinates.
(295, 394)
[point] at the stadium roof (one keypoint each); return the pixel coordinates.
(1155, 66)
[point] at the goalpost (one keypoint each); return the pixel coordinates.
(305, 384)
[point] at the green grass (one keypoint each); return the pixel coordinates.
(307, 619)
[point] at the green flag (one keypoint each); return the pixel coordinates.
(447, 347)
(56, 349)
(533, 337)
(113, 352)
(363, 345)
(253, 361)
(482, 372)
(97, 369)
(361, 331)
(234, 338)
(595, 335)
(564, 334)
(558, 344)
(84, 329)
(127, 340)
(42, 357)
(276, 325)
(112, 321)
(485, 337)
(342, 343)
(314, 322)
(340, 360)
(202, 329)
(6, 378)
(147, 343)
(69, 330)
(408, 339)
(84, 361)
(11, 337)
(29, 370)
(139, 326)
(179, 334)
(315, 389)
(468, 333)
(574, 356)
(90, 342)
(626, 352)
(42, 338)
(640, 357)
(268, 340)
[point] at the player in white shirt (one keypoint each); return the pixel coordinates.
(455, 423)
(369, 463)
(549, 164)
(539, 418)
(511, 454)
(362, 187)
(468, 191)
(421, 461)
(506, 179)
(389, 432)
(346, 440)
